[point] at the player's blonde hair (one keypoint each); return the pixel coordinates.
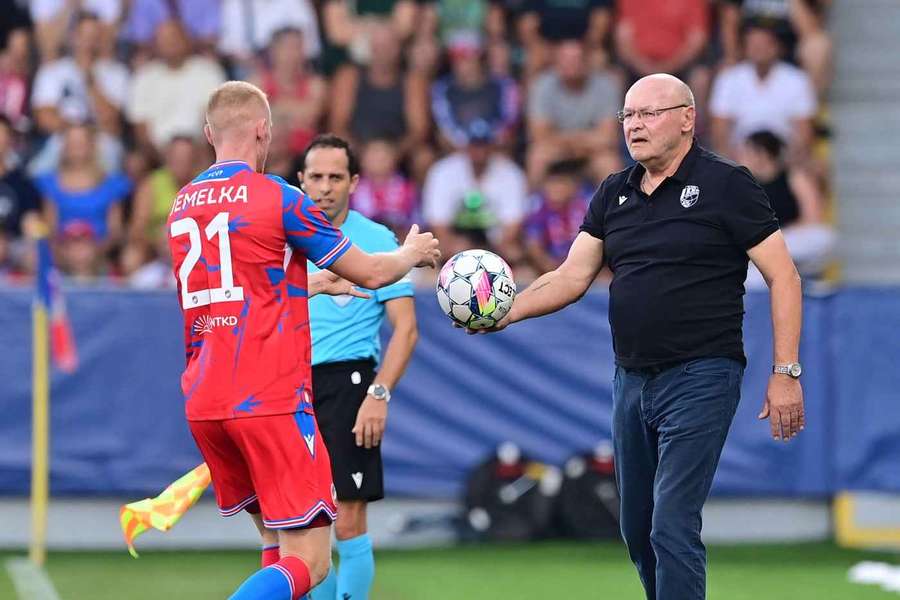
(236, 105)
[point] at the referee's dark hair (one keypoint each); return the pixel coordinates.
(329, 140)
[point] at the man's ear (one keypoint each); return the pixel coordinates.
(207, 131)
(354, 181)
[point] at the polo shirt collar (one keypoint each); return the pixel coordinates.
(681, 175)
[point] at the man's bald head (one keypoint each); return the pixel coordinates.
(236, 108)
(658, 119)
(661, 86)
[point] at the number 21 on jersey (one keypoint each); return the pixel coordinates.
(227, 292)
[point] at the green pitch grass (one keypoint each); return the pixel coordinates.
(545, 571)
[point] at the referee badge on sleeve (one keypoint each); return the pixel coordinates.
(689, 195)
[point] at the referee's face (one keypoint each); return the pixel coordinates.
(326, 179)
(652, 134)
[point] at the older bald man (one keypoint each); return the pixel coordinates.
(677, 230)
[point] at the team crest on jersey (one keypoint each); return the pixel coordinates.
(689, 195)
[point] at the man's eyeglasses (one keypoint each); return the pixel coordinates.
(645, 115)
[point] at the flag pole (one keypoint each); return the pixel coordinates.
(40, 434)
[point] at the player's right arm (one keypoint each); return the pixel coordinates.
(308, 229)
(372, 271)
(561, 287)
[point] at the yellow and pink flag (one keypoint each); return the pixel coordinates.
(164, 511)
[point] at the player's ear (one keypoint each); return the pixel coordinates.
(354, 181)
(207, 131)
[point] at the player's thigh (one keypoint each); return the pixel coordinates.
(290, 468)
(230, 473)
(313, 546)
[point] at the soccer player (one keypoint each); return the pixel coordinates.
(350, 397)
(239, 243)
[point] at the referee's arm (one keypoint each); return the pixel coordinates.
(559, 288)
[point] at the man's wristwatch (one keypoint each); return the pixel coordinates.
(379, 392)
(792, 369)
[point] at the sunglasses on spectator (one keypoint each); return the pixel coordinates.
(645, 115)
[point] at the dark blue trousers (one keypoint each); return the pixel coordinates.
(669, 426)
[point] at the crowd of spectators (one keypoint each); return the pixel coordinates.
(489, 121)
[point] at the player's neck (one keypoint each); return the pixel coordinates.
(226, 154)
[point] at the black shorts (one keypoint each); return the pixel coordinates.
(339, 389)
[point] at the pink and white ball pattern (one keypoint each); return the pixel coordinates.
(476, 289)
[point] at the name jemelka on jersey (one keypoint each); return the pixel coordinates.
(210, 195)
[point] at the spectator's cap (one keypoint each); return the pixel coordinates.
(479, 131)
(78, 229)
(464, 42)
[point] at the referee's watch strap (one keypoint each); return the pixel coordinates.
(379, 391)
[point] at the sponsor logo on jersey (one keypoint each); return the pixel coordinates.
(206, 323)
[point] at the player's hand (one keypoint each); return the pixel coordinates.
(326, 282)
(784, 407)
(424, 246)
(500, 325)
(370, 421)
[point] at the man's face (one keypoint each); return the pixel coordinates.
(651, 137)
(171, 42)
(570, 64)
(326, 178)
(87, 36)
(761, 47)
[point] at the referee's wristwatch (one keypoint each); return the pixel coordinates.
(379, 391)
(792, 369)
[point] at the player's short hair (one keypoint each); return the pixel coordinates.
(234, 103)
(329, 140)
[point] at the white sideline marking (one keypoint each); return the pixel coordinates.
(31, 582)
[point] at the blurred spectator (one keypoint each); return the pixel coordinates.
(149, 267)
(296, 93)
(81, 86)
(762, 93)
(350, 26)
(799, 25)
(20, 201)
(571, 115)
(248, 27)
(665, 36)
(80, 191)
(559, 209)
(379, 100)
(468, 93)
(79, 253)
(448, 17)
(797, 202)
(169, 95)
(383, 193)
(15, 73)
(201, 19)
(52, 19)
(154, 196)
(476, 197)
(545, 23)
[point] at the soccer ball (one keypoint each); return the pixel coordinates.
(476, 289)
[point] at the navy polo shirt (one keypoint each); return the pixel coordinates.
(679, 258)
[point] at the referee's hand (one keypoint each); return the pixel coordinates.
(784, 407)
(370, 421)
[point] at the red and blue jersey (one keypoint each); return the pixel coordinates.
(240, 241)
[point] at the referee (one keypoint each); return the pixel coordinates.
(676, 230)
(350, 397)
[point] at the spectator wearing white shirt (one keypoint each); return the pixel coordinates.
(476, 197)
(169, 94)
(52, 18)
(248, 27)
(762, 93)
(78, 88)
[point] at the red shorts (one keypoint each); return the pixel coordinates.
(279, 461)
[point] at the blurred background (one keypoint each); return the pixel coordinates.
(491, 122)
